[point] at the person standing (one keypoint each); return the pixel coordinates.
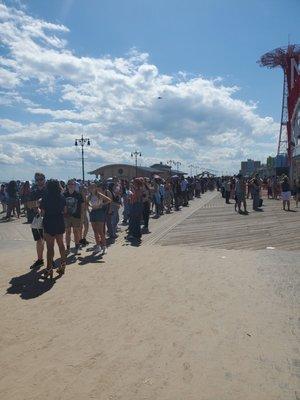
(240, 193)
(113, 215)
(13, 199)
(177, 193)
(3, 198)
(184, 191)
(36, 195)
(286, 193)
(53, 207)
(98, 204)
(227, 190)
(136, 210)
(255, 187)
(168, 197)
(126, 205)
(25, 197)
(146, 198)
(74, 203)
(297, 191)
(84, 216)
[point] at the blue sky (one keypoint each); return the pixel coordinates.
(107, 61)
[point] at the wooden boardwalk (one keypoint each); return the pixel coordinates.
(217, 225)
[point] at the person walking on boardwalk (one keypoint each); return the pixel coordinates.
(53, 208)
(286, 193)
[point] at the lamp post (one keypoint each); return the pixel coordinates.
(82, 142)
(136, 154)
(170, 163)
(191, 166)
(177, 163)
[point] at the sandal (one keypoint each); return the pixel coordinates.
(48, 272)
(61, 270)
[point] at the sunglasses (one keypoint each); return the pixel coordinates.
(40, 179)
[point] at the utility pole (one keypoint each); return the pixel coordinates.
(82, 142)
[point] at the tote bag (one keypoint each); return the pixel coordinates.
(37, 222)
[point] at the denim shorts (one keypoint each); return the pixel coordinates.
(98, 215)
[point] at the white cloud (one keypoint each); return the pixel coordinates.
(115, 102)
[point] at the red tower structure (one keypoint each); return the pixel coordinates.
(288, 58)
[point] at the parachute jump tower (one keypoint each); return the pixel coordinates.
(288, 58)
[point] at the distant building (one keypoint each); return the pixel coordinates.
(249, 167)
(265, 171)
(124, 171)
(128, 171)
(167, 170)
(271, 162)
(161, 167)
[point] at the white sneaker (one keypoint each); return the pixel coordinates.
(97, 249)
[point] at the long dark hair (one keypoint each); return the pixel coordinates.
(53, 188)
(12, 189)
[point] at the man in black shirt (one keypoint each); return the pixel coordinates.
(37, 231)
(73, 218)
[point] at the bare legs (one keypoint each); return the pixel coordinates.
(50, 241)
(61, 247)
(84, 229)
(40, 248)
(68, 237)
(99, 233)
(286, 202)
(77, 236)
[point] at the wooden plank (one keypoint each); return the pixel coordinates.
(217, 225)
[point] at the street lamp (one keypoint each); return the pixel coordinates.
(136, 154)
(191, 166)
(177, 163)
(82, 142)
(170, 163)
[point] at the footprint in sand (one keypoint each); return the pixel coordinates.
(187, 373)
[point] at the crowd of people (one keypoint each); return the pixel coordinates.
(239, 188)
(57, 210)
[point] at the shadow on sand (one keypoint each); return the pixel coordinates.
(30, 285)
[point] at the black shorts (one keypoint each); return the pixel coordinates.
(37, 234)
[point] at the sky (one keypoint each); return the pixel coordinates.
(175, 80)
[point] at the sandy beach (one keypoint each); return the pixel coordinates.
(151, 322)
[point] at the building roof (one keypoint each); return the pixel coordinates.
(146, 169)
(161, 166)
